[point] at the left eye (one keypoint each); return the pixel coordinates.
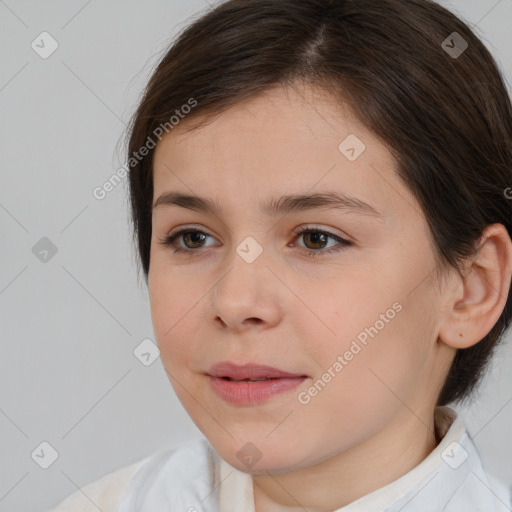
(317, 237)
(315, 240)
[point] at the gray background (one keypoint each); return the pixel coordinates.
(69, 326)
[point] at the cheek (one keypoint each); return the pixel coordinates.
(370, 384)
(376, 346)
(175, 302)
(345, 306)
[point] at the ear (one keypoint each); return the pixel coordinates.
(481, 293)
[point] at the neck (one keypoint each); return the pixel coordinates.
(342, 479)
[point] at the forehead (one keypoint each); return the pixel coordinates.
(286, 140)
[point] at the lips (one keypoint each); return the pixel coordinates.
(251, 384)
(249, 372)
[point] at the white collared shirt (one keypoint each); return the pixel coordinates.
(194, 478)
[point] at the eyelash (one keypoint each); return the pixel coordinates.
(169, 240)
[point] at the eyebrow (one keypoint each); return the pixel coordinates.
(274, 207)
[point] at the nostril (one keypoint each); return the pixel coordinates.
(255, 320)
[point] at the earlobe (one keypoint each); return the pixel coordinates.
(481, 293)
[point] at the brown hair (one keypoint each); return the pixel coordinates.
(446, 118)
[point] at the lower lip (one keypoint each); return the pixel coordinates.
(252, 393)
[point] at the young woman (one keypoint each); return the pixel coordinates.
(321, 198)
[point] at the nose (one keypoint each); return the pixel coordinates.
(247, 295)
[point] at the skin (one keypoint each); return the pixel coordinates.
(296, 312)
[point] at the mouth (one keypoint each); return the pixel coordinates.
(251, 384)
(249, 372)
(248, 380)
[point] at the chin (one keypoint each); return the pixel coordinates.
(275, 462)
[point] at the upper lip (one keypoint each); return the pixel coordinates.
(248, 371)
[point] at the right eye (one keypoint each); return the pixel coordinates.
(192, 238)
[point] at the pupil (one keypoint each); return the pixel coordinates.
(196, 237)
(315, 239)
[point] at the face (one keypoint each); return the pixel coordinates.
(347, 304)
